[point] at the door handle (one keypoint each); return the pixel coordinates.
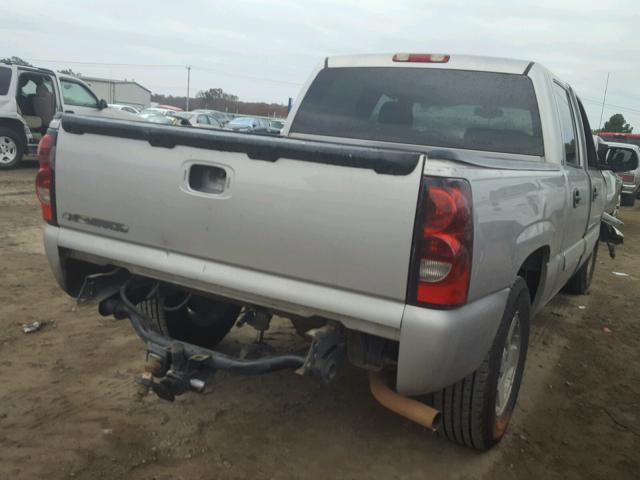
(208, 179)
(576, 197)
(595, 194)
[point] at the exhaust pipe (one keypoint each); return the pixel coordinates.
(406, 407)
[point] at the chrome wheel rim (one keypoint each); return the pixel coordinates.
(508, 365)
(8, 150)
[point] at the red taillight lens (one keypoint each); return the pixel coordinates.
(441, 210)
(441, 267)
(628, 178)
(421, 57)
(44, 178)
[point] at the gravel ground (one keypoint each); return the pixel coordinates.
(70, 409)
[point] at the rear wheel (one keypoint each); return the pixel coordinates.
(580, 282)
(477, 409)
(11, 148)
(201, 321)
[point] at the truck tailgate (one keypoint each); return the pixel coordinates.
(277, 206)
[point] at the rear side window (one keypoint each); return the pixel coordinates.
(445, 108)
(5, 80)
(567, 122)
(592, 153)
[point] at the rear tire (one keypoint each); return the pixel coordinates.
(201, 321)
(477, 409)
(580, 282)
(11, 148)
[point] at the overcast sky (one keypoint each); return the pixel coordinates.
(263, 50)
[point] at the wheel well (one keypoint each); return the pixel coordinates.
(532, 269)
(16, 126)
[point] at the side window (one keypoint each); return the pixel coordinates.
(203, 120)
(77, 94)
(5, 80)
(36, 95)
(567, 124)
(592, 154)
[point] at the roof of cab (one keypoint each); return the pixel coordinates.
(456, 62)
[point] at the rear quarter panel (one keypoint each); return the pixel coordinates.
(515, 213)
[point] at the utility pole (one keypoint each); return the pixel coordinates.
(606, 86)
(188, 84)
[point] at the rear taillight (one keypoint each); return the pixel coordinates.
(421, 57)
(627, 178)
(443, 244)
(44, 178)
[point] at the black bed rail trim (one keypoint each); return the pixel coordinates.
(256, 147)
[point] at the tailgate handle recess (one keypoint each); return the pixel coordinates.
(208, 179)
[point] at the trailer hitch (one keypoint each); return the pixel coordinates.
(180, 367)
(327, 353)
(187, 373)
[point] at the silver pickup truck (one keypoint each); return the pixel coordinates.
(417, 212)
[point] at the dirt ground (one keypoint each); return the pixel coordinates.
(69, 407)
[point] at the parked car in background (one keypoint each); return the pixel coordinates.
(198, 119)
(416, 214)
(29, 99)
(221, 117)
(275, 127)
(630, 180)
(125, 108)
(248, 124)
(162, 119)
(169, 107)
(151, 111)
(632, 138)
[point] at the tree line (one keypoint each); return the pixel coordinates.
(218, 99)
(616, 123)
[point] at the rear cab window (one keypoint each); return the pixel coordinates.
(473, 110)
(5, 80)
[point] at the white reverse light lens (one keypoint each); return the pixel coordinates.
(433, 271)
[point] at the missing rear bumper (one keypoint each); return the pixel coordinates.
(179, 367)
